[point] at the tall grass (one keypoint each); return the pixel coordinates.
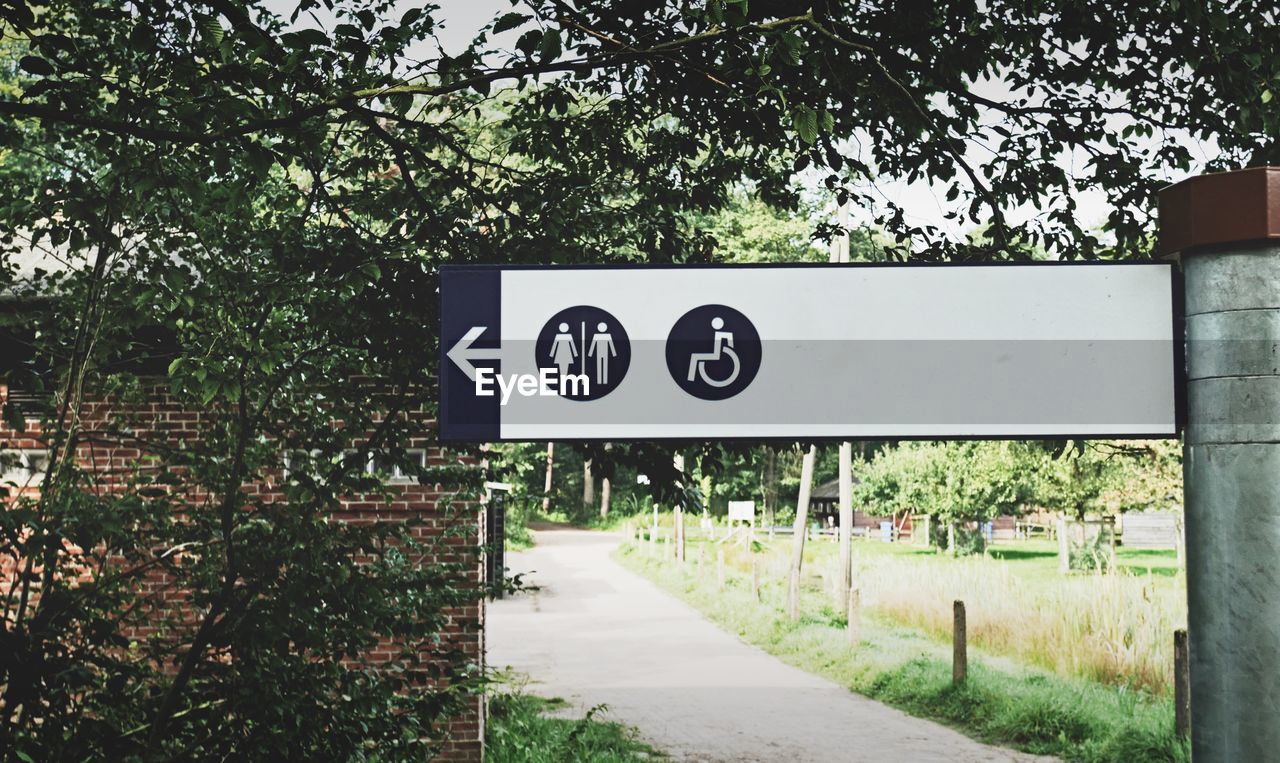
(1111, 628)
(1114, 628)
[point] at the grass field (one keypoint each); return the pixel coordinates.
(1076, 666)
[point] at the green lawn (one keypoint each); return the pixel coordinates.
(1032, 560)
(1039, 559)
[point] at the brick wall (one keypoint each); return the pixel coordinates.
(452, 528)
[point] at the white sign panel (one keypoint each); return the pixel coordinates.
(742, 511)
(824, 351)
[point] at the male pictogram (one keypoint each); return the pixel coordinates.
(602, 348)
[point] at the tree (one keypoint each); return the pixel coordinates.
(953, 482)
(749, 229)
(1109, 478)
(588, 488)
(546, 487)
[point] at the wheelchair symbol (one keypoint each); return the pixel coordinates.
(713, 352)
(723, 348)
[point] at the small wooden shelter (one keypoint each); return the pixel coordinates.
(824, 502)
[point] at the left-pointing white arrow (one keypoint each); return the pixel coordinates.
(463, 353)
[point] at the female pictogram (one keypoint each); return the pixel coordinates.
(563, 350)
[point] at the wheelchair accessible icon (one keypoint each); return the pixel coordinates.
(713, 352)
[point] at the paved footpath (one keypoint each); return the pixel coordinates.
(597, 633)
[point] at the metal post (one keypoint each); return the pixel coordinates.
(1226, 230)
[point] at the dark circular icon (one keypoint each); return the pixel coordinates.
(713, 352)
(587, 349)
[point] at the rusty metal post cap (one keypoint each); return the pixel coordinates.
(1220, 208)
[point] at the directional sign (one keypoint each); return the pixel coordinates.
(806, 352)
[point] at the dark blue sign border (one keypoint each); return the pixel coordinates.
(470, 295)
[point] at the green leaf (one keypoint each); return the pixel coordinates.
(410, 16)
(208, 391)
(805, 122)
(528, 42)
(305, 38)
(1266, 96)
(14, 418)
(400, 102)
(509, 21)
(549, 47)
(211, 29)
(35, 65)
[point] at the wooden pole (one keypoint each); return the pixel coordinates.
(606, 493)
(1064, 547)
(1181, 684)
(959, 645)
(680, 534)
(678, 512)
(546, 485)
(606, 496)
(755, 576)
(854, 606)
(797, 545)
(720, 568)
(844, 578)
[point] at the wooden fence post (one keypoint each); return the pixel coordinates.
(680, 533)
(854, 627)
(1064, 546)
(1181, 684)
(720, 568)
(959, 645)
(755, 576)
